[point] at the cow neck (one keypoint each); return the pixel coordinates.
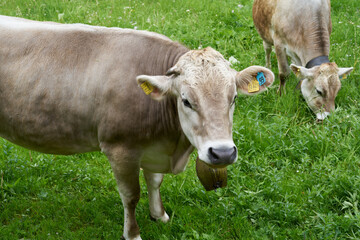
(317, 61)
(170, 119)
(313, 63)
(162, 115)
(173, 56)
(163, 55)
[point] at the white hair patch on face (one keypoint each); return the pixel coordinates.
(203, 66)
(306, 90)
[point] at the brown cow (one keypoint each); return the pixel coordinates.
(72, 88)
(301, 30)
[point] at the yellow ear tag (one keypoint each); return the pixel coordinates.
(253, 86)
(147, 88)
(298, 72)
(344, 76)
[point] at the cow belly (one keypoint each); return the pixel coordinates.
(52, 144)
(42, 133)
(51, 120)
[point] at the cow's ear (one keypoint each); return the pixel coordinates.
(254, 80)
(155, 86)
(343, 72)
(302, 72)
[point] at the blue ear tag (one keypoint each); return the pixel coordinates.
(261, 78)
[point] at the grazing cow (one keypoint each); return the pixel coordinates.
(73, 88)
(301, 29)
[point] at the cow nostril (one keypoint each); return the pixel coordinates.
(213, 154)
(234, 154)
(222, 156)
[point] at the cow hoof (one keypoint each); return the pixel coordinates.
(164, 218)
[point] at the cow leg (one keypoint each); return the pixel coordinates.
(153, 181)
(283, 65)
(267, 48)
(125, 165)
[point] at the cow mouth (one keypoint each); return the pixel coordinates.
(215, 166)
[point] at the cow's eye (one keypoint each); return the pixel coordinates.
(319, 92)
(234, 100)
(186, 103)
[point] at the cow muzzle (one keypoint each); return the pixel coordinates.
(322, 115)
(218, 154)
(221, 157)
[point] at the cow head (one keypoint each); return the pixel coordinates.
(206, 88)
(320, 85)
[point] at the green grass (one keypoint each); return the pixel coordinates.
(294, 179)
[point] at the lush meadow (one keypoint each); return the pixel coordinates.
(294, 179)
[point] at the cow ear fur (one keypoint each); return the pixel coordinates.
(244, 77)
(302, 72)
(155, 86)
(343, 72)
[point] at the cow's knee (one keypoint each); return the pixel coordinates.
(268, 49)
(284, 72)
(153, 181)
(283, 65)
(283, 77)
(125, 165)
(130, 195)
(281, 89)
